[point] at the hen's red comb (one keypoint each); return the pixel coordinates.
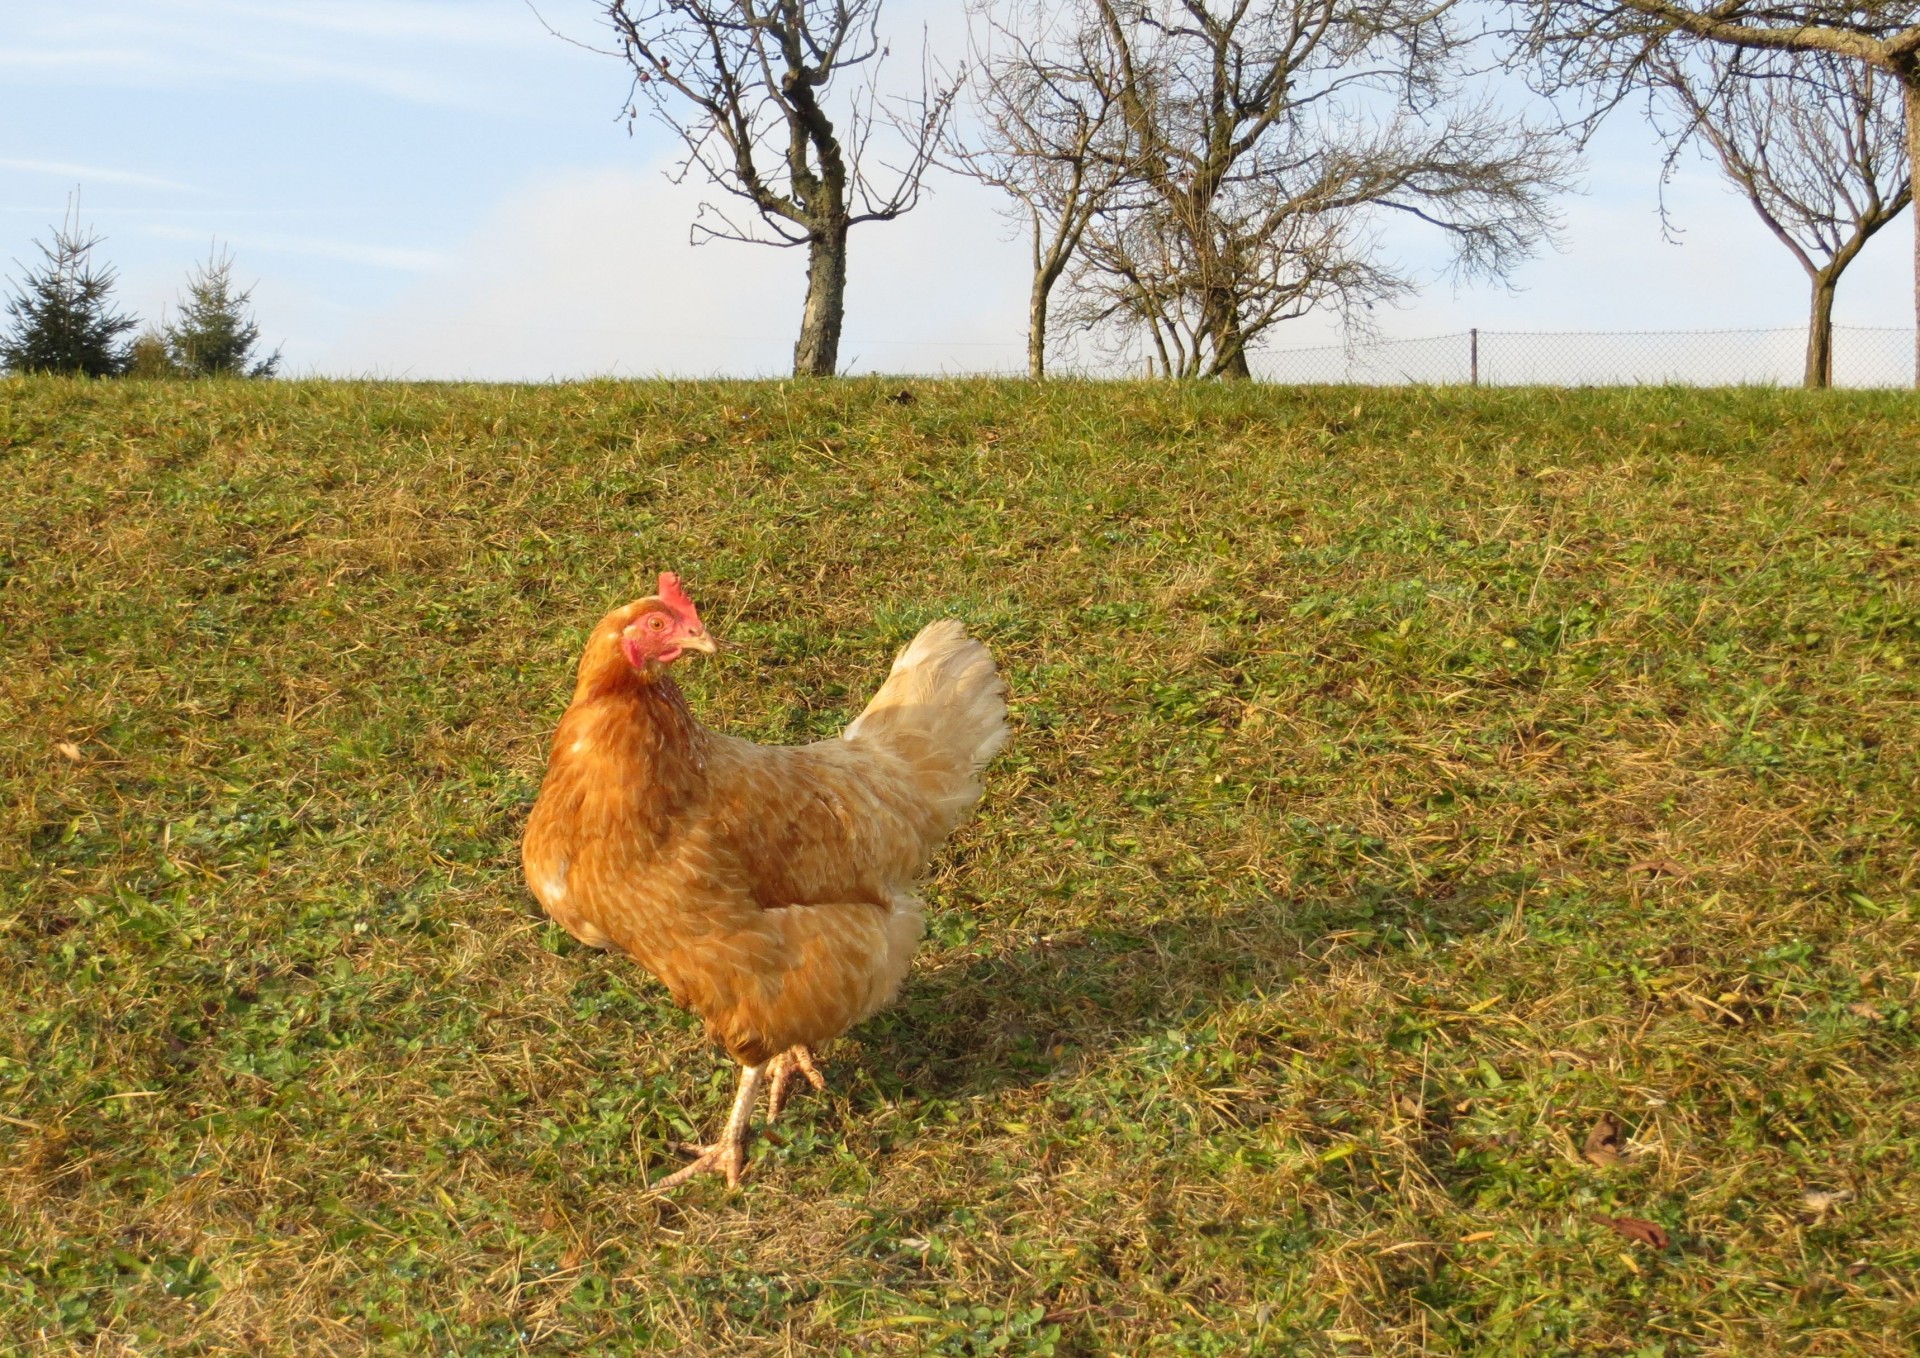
(674, 597)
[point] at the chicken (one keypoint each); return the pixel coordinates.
(771, 888)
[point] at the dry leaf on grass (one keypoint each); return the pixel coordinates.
(1659, 867)
(1637, 1230)
(1606, 1146)
(68, 750)
(1820, 1201)
(1861, 1009)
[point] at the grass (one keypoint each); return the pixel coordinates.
(1403, 785)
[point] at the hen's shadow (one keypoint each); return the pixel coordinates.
(974, 1025)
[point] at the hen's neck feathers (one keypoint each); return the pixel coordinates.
(634, 732)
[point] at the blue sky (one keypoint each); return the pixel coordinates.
(440, 188)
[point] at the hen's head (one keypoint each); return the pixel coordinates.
(661, 628)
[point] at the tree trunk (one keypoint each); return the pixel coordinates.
(1910, 102)
(1230, 350)
(1820, 332)
(1037, 326)
(1223, 332)
(817, 354)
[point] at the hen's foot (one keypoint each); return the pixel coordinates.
(788, 1066)
(722, 1157)
(728, 1155)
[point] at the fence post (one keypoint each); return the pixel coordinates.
(1473, 356)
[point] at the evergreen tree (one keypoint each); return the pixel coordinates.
(215, 335)
(63, 319)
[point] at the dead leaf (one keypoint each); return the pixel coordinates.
(1869, 1012)
(1476, 1237)
(1659, 867)
(1639, 1231)
(1820, 1201)
(68, 750)
(1714, 1005)
(1605, 1146)
(902, 397)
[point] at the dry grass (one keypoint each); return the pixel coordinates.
(1402, 783)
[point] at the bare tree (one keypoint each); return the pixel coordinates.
(1267, 141)
(1046, 131)
(1815, 145)
(1203, 282)
(746, 85)
(1606, 48)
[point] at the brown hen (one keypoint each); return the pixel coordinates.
(771, 888)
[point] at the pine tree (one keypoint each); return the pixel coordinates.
(215, 335)
(63, 320)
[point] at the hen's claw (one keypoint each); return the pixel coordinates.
(722, 1157)
(728, 1155)
(788, 1066)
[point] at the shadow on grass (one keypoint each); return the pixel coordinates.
(976, 1025)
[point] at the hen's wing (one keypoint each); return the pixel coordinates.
(857, 818)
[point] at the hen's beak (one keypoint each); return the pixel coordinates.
(699, 641)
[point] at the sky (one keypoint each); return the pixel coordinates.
(445, 189)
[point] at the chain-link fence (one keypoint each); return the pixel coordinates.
(1863, 356)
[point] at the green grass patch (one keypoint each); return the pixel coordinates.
(1402, 783)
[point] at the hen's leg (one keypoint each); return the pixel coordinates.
(787, 1067)
(728, 1155)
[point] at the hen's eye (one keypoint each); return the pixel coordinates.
(655, 622)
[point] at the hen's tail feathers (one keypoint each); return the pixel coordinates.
(943, 712)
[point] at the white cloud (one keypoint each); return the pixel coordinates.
(476, 22)
(398, 48)
(591, 273)
(93, 174)
(501, 22)
(318, 247)
(95, 61)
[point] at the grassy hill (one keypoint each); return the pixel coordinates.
(1443, 828)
